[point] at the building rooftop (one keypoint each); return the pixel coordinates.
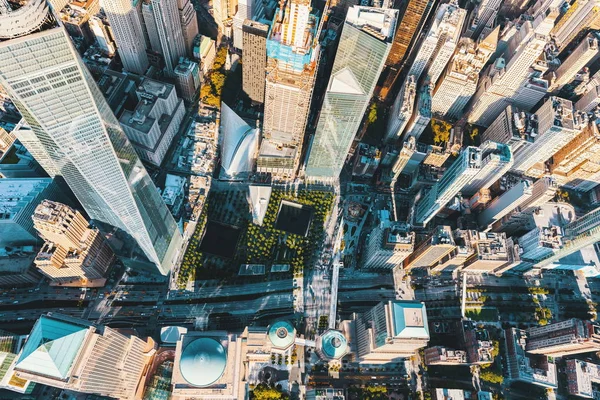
(185, 67)
(333, 344)
(282, 334)
(409, 320)
(52, 347)
(24, 18)
(378, 22)
(17, 193)
(273, 149)
(203, 361)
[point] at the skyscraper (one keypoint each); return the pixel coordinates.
(582, 55)
(126, 25)
(510, 80)
(74, 134)
(247, 9)
(579, 16)
(402, 110)
(557, 123)
(415, 13)
(483, 19)
(291, 71)
(576, 165)
(164, 29)
(73, 354)
(475, 168)
(189, 24)
(391, 331)
(255, 59)
(559, 339)
(459, 83)
(364, 45)
(224, 10)
(440, 42)
(73, 251)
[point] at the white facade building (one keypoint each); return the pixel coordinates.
(126, 26)
(164, 29)
(80, 138)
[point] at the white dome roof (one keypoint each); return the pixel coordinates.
(240, 143)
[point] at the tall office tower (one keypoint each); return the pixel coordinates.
(388, 245)
(163, 23)
(189, 24)
(541, 242)
(577, 165)
(440, 42)
(555, 124)
(542, 191)
(459, 83)
(291, 71)
(73, 251)
(103, 39)
(363, 48)
(402, 110)
(511, 80)
(126, 25)
(79, 137)
(415, 13)
(506, 202)
(421, 118)
(580, 16)
(475, 169)
(72, 354)
(154, 121)
(255, 59)
(483, 19)
(585, 53)
(438, 245)
(247, 10)
(492, 252)
(589, 101)
(187, 79)
(18, 199)
(564, 338)
(390, 332)
(223, 11)
(583, 232)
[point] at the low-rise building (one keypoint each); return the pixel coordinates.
(440, 355)
(581, 377)
(535, 369)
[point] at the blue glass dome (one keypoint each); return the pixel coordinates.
(282, 334)
(334, 344)
(203, 362)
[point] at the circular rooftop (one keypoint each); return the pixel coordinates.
(334, 344)
(203, 362)
(282, 334)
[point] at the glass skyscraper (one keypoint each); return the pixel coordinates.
(364, 46)
(76, 135)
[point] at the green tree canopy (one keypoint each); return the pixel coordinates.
(264, 392)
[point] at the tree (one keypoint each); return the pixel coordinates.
(264, 392)
(441, 131)
(491, 376)
(372, 117)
